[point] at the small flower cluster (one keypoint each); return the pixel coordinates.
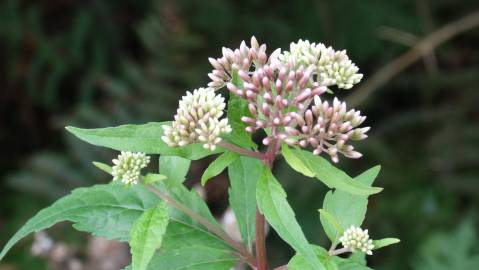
(198, 120)
(331, 67)
(127, 167)
(242, 59)
(327, 128)
(356, 239)
(274, 93)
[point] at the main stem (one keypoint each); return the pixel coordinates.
(262, 260)
(261, 256)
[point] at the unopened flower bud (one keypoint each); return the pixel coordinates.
(127, 167)
(356, 239)
(198, 120)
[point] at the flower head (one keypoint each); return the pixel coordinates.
(327, 128)
(127, 167)
(356, 239)
(198, 120)
(242, 58)
(330, 67)
(280, 90)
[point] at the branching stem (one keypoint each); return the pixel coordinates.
(339, 251)
(240, 150)
(241, 249)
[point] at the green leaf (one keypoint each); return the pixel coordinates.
(151, 178)
(295, 162)
(298, 262)
(175, 169)
(102, 166)
(330, 262)
(273, 204)
(104, 210)
(348, 209)
(325, 215)
(188, 248)
(243, 175)
(139, 138)
(330, 175)
(218, 166)
(146, 235)
(238, 108)
(385, 242)
(355, 262)
(180, 193)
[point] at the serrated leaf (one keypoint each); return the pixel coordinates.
(298, 262)
(330, 175)
(146, 235)
(103, 210)
(295, 162)
(243, 175)
(193, 201)
(180, 193)
(385, 242)
(348, 209)
(187, 248)
(102, 166)
(139, 138)
(273, 204)
(175, 169)
(218, 165)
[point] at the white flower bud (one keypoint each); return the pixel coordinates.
(356, 239)
(331, 67)
(127, 167)
(197, 120)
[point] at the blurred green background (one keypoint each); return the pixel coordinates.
(100, 63)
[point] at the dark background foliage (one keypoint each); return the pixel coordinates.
(100, 63)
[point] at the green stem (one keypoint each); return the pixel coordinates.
(339, 251)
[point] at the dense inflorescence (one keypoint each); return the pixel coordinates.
(198, 120)
(356, 239)
(127, 167)
(243, 58)
(330, 67)
(279, 89)
(328, 128)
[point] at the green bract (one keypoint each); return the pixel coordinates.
(170, 227)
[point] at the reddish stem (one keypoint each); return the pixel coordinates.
(261, 256)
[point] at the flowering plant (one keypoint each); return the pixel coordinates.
(282, 97)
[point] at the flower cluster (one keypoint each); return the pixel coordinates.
(327, 128)
(274, 93)
(242, 59)
(279, 89)
(356, 239)
(198, 120)
(127, 167)
(330, 67)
